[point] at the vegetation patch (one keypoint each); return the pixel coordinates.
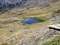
(55, 41)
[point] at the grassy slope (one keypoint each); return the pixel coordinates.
(16, 27)
(55, 41)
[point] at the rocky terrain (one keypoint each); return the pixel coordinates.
(8, 4)
(14, 32)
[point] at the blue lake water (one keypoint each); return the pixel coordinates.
(31, 21)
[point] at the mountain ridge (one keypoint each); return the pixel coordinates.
(8, 4)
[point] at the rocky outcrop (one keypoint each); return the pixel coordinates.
(8, 4)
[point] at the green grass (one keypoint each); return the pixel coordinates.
(55, 41)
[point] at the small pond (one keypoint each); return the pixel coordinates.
(31, 20)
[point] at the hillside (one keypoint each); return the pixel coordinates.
(13, 32)
(9, 4)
